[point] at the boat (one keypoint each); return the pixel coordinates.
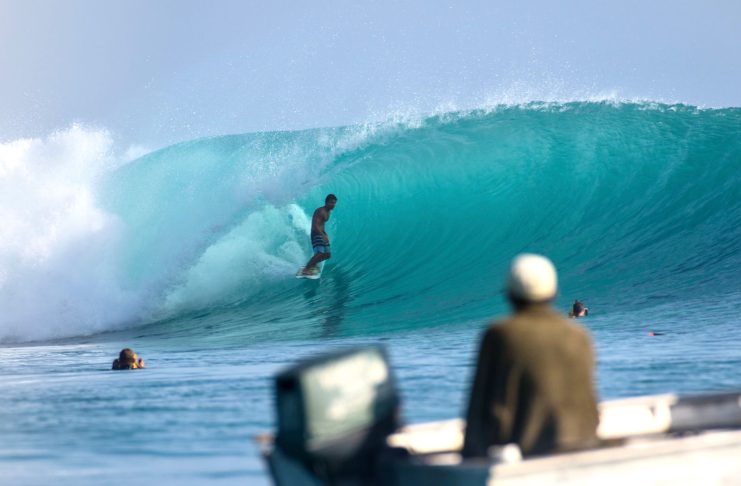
(338, 424)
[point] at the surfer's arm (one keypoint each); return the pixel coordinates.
(324, 216)
(318, 220)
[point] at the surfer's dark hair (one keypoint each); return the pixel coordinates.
(330, 197)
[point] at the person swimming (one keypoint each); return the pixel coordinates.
(578, 310)
(127, 360)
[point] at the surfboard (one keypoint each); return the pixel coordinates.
(313, 276)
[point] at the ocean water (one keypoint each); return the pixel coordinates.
(187, 255)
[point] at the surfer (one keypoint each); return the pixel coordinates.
(533, 383)
(127, 360)
(319, 238)
(578, 310)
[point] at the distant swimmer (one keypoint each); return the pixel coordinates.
(578, 310)
(319, 238)
(128, 360)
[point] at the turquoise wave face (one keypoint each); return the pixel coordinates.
(638, 205)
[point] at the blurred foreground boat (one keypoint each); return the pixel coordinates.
(338, 424)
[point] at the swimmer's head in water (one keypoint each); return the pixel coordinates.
(532, 278)
(127, 356)
(128, 360)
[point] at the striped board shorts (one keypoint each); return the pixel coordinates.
(318, 244)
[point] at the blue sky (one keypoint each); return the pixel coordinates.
(157, 72)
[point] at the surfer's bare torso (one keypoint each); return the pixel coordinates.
(320, 218)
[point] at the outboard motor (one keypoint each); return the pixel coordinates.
(335, 412)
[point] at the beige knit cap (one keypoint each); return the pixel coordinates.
(532, 278)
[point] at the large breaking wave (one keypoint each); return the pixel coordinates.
(637, 203)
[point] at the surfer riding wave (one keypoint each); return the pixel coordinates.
(319, 237)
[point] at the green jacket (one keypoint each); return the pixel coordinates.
(533, 386)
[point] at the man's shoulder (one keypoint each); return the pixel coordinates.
(500, 328)
(525, 321)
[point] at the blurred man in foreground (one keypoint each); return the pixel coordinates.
(533, 383)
